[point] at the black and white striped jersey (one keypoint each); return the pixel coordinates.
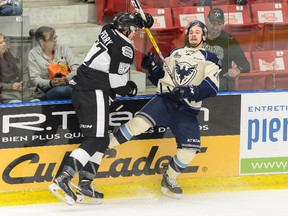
(107, 64)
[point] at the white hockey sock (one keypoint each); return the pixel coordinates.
(172, 173)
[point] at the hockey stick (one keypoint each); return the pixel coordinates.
(138, 9)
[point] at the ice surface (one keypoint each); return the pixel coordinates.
(245, 203)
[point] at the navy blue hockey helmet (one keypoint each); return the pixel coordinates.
(197, 23)
(124, 21)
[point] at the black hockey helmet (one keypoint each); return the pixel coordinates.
(197, 23)
(124, 21)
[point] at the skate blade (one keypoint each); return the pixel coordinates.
(57, 191)
(168, 193)
(81, 199)
(87, 200)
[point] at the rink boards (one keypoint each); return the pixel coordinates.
(243, 146)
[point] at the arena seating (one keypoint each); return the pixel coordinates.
(157, 4)
(222, 2)
(269, 12)
(164, 32)
(184, 3)
(267, 1)
(262, 81)
(184, 15)
(238, 22)
(250, 81)
(270, 60)
(273, 17)
(260, 27)
(269, 71)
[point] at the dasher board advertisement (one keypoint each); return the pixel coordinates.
(35, 140)
(264, 131)
(56, 124)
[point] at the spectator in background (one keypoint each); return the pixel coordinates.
(16, 86)
(227, 49)
(10, 8)
(51, 65)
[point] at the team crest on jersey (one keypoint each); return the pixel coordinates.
(123, 68)
(127, 51)
(177, 55)
(189, 52)
(185, 72)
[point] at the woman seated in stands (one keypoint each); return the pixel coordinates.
(10, 8)
(51, 65)
(16, 86)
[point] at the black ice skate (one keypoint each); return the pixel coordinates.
(61, 188)
(170, 187)
(87, 194)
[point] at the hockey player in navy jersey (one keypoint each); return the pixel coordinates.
(194, 77)
(102, 75)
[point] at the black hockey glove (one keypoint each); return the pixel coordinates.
(141, 23)
(150, 62)
(241, 2)
(133, 87)
(185, 92)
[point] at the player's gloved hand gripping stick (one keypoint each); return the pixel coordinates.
(138, 9)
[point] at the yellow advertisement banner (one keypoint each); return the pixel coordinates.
(30, 168)
(142, 160)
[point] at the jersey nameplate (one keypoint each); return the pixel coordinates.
(105, 38)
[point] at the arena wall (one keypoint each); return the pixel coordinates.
(243, 147)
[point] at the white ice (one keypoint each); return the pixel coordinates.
(245, 203)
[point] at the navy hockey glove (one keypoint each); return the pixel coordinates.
(141, 23)
(133, 87)
(182, 92)
(150, 62)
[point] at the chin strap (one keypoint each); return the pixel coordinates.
(127, 33)
(198, 43)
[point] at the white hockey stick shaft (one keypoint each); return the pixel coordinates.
(138, 9)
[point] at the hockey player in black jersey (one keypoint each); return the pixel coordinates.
(194, 77)
(102, 75)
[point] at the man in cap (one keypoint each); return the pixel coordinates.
(227, 49)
